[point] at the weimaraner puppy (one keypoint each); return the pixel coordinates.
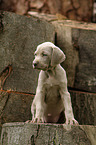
(52, 96)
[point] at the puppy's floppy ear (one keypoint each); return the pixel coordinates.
(57, 56)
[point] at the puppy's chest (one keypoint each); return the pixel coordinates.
(52, 90)
(51, 82)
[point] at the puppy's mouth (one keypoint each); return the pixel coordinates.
(36, 67)
(40, 67)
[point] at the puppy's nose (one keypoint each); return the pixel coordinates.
(35, 64)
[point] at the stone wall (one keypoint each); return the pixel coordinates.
(72, 9)
(48, 134)
(78, 42)
(19, 36)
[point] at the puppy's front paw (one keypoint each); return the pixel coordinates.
(38, 120)
(28, 121)
(71, 122)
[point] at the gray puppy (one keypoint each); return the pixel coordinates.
(52, 96)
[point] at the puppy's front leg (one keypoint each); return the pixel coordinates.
(65, 95)
(37, 108)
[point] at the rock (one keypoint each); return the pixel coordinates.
(29, 134)
(17, 108)
(86, 69)
(19, 38)
(84, 107)
(78, 42)
(19, 7)
(73, 9)
(0, 133)
(64, 41)
(3, 100)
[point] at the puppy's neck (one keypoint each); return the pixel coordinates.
(51, 72)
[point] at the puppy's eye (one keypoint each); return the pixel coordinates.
(43, 54)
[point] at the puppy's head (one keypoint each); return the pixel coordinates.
(47, 55)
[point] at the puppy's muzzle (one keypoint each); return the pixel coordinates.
(35, 64)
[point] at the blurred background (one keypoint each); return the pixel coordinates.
(81, 10)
